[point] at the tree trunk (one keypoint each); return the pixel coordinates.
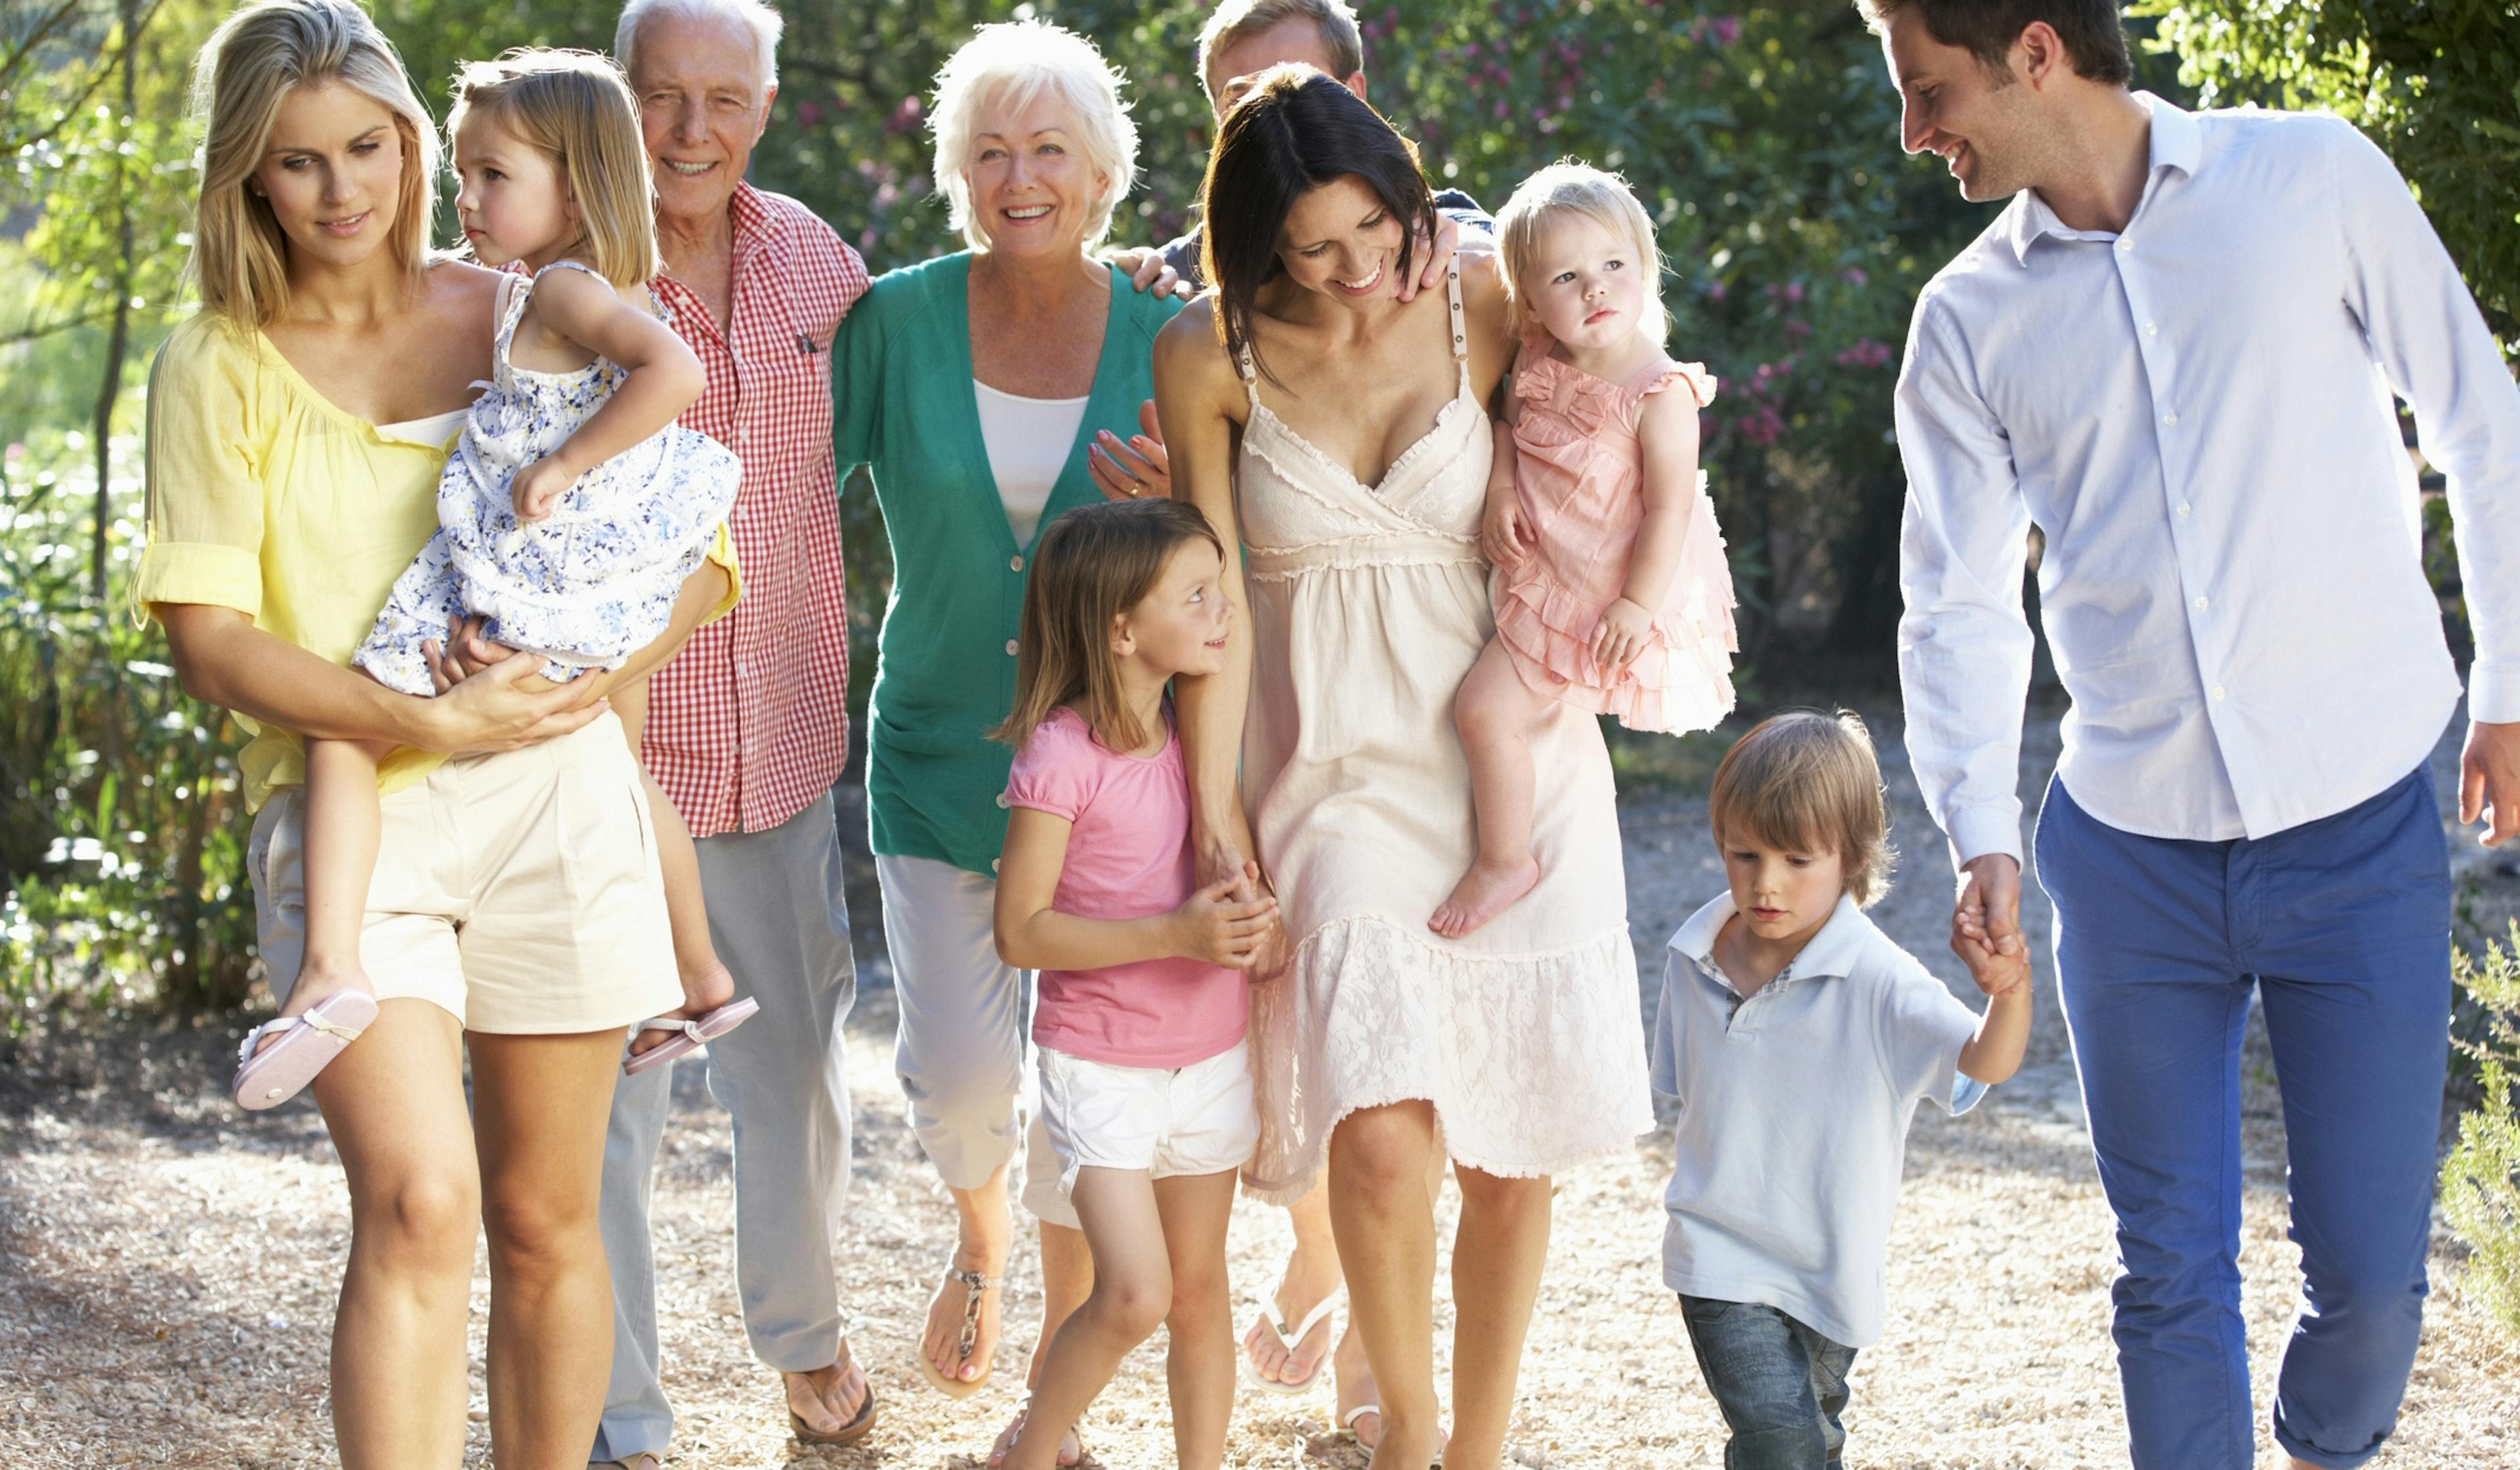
(117, 341)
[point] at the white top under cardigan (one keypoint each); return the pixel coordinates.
(1028, 440)
(2196, 411)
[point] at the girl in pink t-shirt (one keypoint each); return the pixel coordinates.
(1146, 1087)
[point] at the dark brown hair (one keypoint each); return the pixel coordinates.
(1806, 781)
(1094, 563)
(1294, 131)
(2094, 38)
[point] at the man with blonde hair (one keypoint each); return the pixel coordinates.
(747, 731)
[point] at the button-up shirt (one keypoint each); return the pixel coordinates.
(1794, 1106)
(749, 723)
(2196, 411)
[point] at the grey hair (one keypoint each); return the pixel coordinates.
(765, 23)
(1023, 58)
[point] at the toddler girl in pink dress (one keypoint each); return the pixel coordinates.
(1612, 593)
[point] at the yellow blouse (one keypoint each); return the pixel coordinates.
(266, 498)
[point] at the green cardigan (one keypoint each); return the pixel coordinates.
(946, 672)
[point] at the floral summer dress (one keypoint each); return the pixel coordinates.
(1579, 472)
(592, 581)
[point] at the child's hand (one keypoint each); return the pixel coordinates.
(1995, 972)
(1504, 531)
(540, 485)
(1221, 926)
(1621, 634)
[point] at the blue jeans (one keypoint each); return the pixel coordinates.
(2342, 926)
(1780, 1385)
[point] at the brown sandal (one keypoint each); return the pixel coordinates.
(848, 1433)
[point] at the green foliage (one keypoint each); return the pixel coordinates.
(2435, 83)
(2480, 1181)
(120, 829)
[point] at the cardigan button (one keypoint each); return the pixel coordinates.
(1014, 564)
(1002, 801)
(1011, 647)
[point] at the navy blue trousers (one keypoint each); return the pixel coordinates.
(2342, 925)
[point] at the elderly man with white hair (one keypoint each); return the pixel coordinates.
(974, 385)
(747, 730)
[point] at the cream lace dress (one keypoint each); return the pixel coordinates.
(1368, 603)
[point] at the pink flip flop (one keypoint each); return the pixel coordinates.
(307, 1043)
(695, 1032)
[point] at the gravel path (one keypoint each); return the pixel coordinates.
(167, 1265)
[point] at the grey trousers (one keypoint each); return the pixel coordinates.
(779, 919)
(961, 1055)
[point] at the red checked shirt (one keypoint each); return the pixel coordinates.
(749, 723)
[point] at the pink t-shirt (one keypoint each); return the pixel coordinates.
(1128, 855)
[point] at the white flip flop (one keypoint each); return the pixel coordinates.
(307, 1043)
(689, 1035)
(1290, 1341)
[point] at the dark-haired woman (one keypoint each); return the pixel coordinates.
(1350, 430)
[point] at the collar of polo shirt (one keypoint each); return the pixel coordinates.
(1831, 952)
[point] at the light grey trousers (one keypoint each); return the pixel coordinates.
(779, 919)
(962, 1057)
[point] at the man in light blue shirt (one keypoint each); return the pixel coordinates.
(2175, 352)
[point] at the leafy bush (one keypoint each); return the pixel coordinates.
(121, 831)
(2480, 1181)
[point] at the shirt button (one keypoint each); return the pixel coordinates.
(2218, 691)
(2200, 604)
(2152, 328)
(2182, 509)
(1014, 564)
(2170, 421)
(1011, 647)
(1002, 801)
(2125, 243)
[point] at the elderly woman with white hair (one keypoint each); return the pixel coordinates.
(972, 385)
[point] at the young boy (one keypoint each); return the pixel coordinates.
(1798, 1040)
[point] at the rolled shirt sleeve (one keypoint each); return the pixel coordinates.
(204, 475)
(1964, 640)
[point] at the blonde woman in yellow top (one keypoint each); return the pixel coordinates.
(516, 911)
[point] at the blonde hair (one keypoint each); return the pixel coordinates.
(1020, 61)
(240, 260)
(1572, 189)
(1238, 21)
(1806, 781)
(575, 108)
(1094, 563)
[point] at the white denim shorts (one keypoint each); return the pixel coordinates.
(1199, 1118)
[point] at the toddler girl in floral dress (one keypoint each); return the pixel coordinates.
(1612, 593)
(570, 514)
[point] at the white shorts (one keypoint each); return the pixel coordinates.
(1199, 1118)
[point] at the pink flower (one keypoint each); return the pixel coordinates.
(905, 117)
(1727, 30)
(1797, 327)
(1867, 353)
(808, 114)
(1854, 275)
(1715, 290)
(1793, 290)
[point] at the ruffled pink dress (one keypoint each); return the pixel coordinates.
(1579, 471)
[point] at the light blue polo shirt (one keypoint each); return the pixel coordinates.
(1793, 1117)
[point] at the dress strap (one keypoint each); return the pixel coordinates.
(520, 290)
(1249, 372)
(1453, 297)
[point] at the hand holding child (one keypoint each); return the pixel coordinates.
(1986, 923)
(1621, 634)
(1219, 926)
(539, 486)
